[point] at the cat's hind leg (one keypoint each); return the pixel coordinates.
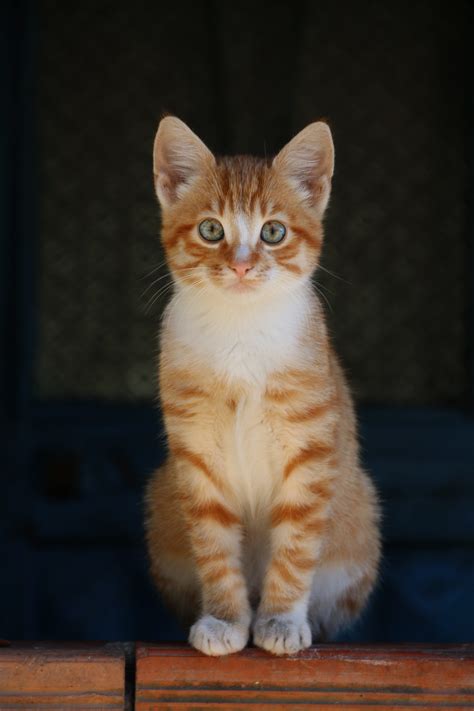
(171, 562)
(339, 593)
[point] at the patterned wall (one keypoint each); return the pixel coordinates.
(389, 80)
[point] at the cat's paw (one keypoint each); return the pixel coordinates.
(282, 634)
(216, 637)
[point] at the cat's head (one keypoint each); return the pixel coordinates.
(241, 225)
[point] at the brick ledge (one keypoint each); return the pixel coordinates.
(47, 675)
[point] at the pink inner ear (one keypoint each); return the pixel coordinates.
(315, 186)
(308, 159)
(178, 154)
(163, 187)
(166, 183)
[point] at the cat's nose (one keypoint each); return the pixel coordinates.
(241, 268)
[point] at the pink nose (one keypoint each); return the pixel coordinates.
(241, 268)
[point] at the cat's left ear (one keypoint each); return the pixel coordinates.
(307, 162)
(179, 156)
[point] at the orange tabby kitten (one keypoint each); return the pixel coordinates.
(261, 516)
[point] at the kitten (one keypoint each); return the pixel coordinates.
(261, 516)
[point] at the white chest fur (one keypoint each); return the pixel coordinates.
(253, 472)
(251, 459)
(240, 339)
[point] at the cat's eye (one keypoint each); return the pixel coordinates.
(273, 232)
(211, 230)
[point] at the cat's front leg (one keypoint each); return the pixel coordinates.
(298, 521)
(215, 532)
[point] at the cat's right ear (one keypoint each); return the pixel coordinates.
(179, 156)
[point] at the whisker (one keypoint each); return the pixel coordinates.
(321, 293)
(155, 281)
(323, 286)
(333, 274)
(157, 295)
(155, 268)
(163, 289)
(168, 275)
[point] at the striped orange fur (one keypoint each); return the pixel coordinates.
(291, 513)
(313, 451)
(180, 452)
(262, 501)
(215, 511)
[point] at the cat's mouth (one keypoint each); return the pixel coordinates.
(241, 286)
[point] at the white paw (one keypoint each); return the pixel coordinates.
(282, 634)
(216, 637)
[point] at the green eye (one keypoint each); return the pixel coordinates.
(273, 232)
(211, 230)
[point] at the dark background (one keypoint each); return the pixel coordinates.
(83, 88)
